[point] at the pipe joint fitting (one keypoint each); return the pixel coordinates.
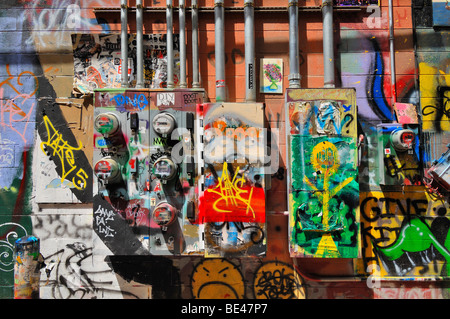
(326, 3)
(294, 80)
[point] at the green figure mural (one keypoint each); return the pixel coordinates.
(324, 189)
(322, 173)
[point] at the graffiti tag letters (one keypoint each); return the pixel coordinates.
(57, 147)
(233, 199)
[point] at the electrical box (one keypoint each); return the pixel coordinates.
(323, 188)
(145, 170)
(232, 186)
(177, 176)
(399, 154)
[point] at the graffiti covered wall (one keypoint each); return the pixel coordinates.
(55, 52)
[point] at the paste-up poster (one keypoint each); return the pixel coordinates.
(271, 76)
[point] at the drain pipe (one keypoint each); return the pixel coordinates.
(250, 95)
(328, 50)
(169, 18)
(182, 19)
(139, 45)
(294, 72)
(195, 68)
(392, 52)
(220, 50)
(124, 42)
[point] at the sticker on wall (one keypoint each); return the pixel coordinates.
(97, 61)
(322, 173)
(406, 113)
(271, 76)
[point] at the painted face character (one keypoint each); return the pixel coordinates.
(217, 279)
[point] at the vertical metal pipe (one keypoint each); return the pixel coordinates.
(139, 45)
(220, 50)
(195, 67)
(294, 68)
(124, 42)
(392, 52)
(170, 58)
(250, 90)
(182, 18)
(328, 50)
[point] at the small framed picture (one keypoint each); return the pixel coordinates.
(271, 76)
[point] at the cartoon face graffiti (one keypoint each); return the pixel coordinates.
(217, 279)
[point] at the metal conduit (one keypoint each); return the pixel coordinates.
(195, 67)
(294, 76)
(220, 50)
(124, 42)
(328, 50)
(250, 89)
(139, 45)
(392, 52)
(182, 19)
(170, 58)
